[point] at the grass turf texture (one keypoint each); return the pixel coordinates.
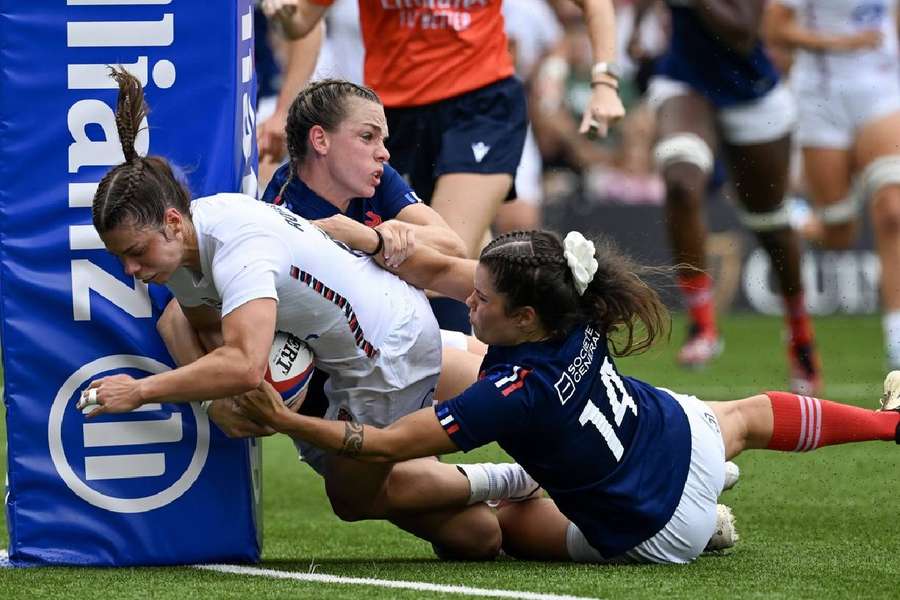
(818, 525)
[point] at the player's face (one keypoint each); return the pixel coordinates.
(148, 253)
(357, 153)
(487, 312)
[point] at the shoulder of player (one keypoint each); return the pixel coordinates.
(506, 378)
(229, 217)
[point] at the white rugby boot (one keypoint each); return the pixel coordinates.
(725, 536)
(732, 474)
(890, 400)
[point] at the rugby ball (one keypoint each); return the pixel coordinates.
(290, 368)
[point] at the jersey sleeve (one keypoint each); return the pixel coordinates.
(247, 266)
(495, 407)
(395, 194)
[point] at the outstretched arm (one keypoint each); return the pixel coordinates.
(416, 435)
(301, 62)
(430, 270)
(190, 333)
(604, 107)
(236, 367)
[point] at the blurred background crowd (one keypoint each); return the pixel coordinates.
(615, 184)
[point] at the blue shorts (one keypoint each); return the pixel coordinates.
(482, 131)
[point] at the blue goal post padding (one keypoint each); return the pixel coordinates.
(160, 485)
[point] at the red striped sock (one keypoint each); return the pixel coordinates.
(798, 321)
(802, 423)
(698, 295)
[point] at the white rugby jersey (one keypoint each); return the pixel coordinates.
(342, 304)
(845, 17)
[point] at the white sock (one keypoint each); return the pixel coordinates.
(493, 481)
(890, 322)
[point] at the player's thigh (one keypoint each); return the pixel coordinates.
(686, 139)
(469, 202)
(686, 112)
(745, 424)
(534, 529)
(459, 370)
(760, 172)
(877, 139)
(353, 486)
(828, 174)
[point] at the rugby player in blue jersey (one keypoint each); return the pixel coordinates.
(633, 471)
(715, 89)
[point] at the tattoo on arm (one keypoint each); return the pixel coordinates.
(353, 439)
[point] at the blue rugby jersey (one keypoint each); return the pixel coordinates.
(696, 57)
(613, 452)
(392, 195)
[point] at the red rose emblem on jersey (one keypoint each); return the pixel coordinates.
(373, 219)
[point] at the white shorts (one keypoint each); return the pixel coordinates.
(529, 188)
(686, 534)
(762, 120)
(409, 363)
(830, 116)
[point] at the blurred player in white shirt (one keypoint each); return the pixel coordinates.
(846, 77)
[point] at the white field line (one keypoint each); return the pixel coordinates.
(386, 583)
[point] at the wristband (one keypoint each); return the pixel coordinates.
(606, 82)
(609, 69)
(378, 247)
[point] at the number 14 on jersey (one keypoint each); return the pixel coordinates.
(619, 400)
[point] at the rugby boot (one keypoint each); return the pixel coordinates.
(725, 535)
(700, 347)
(805, 370)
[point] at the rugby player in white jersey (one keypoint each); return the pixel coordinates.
(846, 81)
(260, 268)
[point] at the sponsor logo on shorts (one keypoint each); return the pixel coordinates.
(480, 150)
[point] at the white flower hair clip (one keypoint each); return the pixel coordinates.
(579, 253)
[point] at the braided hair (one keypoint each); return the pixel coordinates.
(138, 191)
(322, 103)
(530, 269)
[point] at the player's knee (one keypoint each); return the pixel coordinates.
(770, 224)
(685, 160)
(483, 545)
(347, 506)
(886, 210)
(879, 178)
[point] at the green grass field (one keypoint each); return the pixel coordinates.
(818, 525)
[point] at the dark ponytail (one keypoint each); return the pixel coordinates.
(530, 269)
(138, 191)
